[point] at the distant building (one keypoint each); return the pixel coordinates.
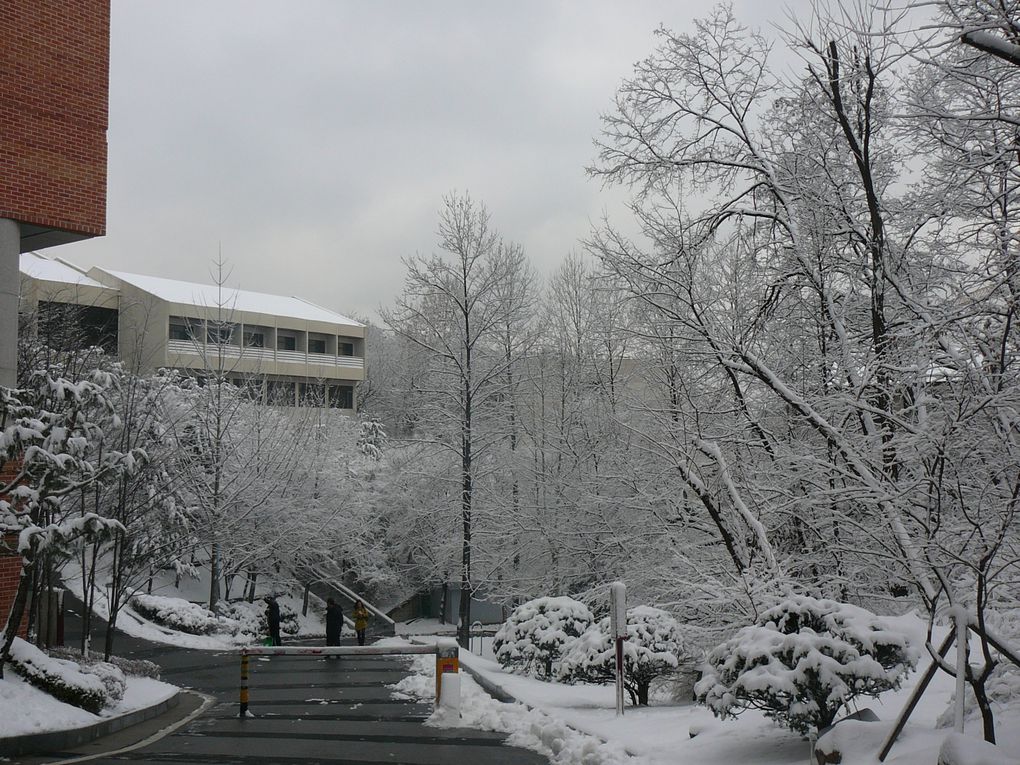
(286, 350)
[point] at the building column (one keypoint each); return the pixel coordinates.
(10, 287)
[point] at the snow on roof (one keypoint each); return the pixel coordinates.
(208, 296)
(47, 269)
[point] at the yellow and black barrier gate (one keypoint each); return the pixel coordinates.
(446, 652)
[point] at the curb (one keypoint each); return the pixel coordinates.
(58, 740)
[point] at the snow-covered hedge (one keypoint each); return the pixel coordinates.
(99, 686)
(537, 632)
(802, 661)
(131, 667)
(653, 649)
(177, 614)
(243, 619)
(248, 620)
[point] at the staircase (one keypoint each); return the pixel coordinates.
(379, 625)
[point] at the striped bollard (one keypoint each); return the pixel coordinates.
(244, 685)
(447, 660)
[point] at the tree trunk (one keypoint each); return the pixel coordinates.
(214, 575)
(987, 715)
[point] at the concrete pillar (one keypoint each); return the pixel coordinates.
(10, 287)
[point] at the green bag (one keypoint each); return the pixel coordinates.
(267, 642)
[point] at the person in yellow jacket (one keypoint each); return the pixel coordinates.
(360, 621)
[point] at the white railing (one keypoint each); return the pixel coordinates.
(197, 348)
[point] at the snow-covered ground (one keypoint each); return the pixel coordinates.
(25, 709)
(687, 733)
(192, 590)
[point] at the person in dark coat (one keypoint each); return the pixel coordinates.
(334, 622)
(273, 617)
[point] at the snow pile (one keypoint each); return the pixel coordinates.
(653, 649)
(959, 749)
(527, 728)
(65, 680)
(534, 637)
(803, 660)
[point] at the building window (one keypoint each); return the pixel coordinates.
(311, 394)
(180, 332)
(286, 343)
(316, 345)
(254, 339)
(345, 349)
(219, 333)
(66, 326)
(281, 393)
(341, 396)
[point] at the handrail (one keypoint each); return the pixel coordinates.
(352, 595)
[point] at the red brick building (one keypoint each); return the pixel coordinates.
(54, 96)
(10, 561)
(54, 106)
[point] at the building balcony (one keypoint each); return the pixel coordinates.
(193, 350)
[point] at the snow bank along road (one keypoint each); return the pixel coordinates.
(307, 710)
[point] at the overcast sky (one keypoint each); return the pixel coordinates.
(313, 141)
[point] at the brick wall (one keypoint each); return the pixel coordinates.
(54, 75)
(10, 561)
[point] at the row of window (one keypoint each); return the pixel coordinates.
(222, 334)
(281, 393)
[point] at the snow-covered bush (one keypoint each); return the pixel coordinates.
(112, 678)
(63, 680)
(653, 649)
(131, 667)
(243, 619)
(247, 621)
(537, 632)
(177, 614)
(802, 661)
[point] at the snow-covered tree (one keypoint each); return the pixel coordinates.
(653, 649)
(49, 431)
(534, 638)
(454, 306)
(372, 438)
(803, 661)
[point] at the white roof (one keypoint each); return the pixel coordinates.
(209, 296)
(50, 270)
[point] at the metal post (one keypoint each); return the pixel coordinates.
(244, 685)
(618, 622)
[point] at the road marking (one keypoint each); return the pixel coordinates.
(207, 701)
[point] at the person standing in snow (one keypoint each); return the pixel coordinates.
(273, 618)
(334, 622)
(360, 621)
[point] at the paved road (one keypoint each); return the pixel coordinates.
(307, 710)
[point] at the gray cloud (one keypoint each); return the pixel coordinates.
(313, 141)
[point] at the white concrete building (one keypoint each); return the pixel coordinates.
(288, 350)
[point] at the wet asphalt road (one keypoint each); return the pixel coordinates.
(306, 710)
